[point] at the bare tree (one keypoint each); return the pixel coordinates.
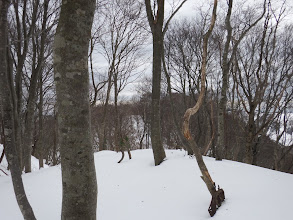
(263, 71)
(119, 38)
(218, 196)
(182, 68)
(22, 24)
(8, 118)
(155, 17)
(226, 61)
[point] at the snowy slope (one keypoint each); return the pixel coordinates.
(4, 164)
(136, 189)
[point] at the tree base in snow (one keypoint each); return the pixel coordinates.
(217, 199)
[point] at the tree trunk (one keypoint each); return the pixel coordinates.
(7, 120)
(157, 146)
(79, 199)
(220, 149)
(175, 121)
(55, 138)
(37, 65)
(218, 196)
(29, 120)
(156, 25)
(249, 138)
(116, 115)
(40, 141)
(102, 130)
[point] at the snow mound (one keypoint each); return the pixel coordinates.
(136, 189)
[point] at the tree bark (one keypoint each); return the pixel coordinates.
(7, 120)
(156, 20)
(40, 140)
(79, 199)
(156, 25)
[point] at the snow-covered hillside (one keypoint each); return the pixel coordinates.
(136, 189)
(4, 171)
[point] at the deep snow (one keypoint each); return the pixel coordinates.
(136, 189)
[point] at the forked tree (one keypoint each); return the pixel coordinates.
(155, 17)
(230, 47)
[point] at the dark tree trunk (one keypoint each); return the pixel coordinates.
(102, 130)
(7, 120)
(156, 25)
(158, 150)
(40, 141)
(116, 115)
(79, 199)
(249, 138)
(29, 121)
(55, 138)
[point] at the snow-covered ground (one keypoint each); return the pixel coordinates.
(3, 167)
(136, 189)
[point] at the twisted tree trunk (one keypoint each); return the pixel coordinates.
(217, 195)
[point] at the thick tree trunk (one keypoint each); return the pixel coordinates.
(79, 199)
(7, 120)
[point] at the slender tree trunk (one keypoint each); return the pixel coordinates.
(40, 141)
(79, 199)
(156, 25)
(55, 138)
(102, 130)
(29, 120)
(175, 121)
(249, 138)
(157, 146)
(3, 152)
(38, 59)
(218, 196)
(116, 115)
(220, 148)
(7, 120)
(16, 115)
